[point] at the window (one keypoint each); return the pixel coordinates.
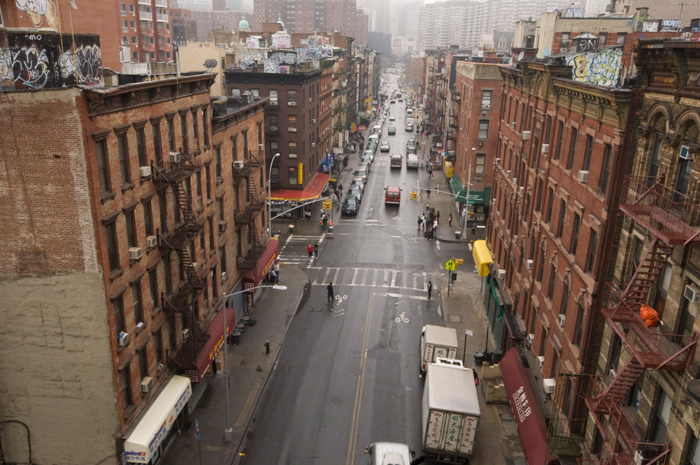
(157, 144)
(131, 229)
(131, 9)
(550, 204)
(292, 123)
(538, 198)
(103, 165)
(560, 137)
(125, 25)
(480, 167)
(138, 301)
(125, 381)
(574, 234)
(158, 339)
(134, 40)
(222, 258)
(136, 55)
(220, 208)
(273, 96)
(292, 148)
(589, 152)
(292, 97)
(605, 170)
(234, 147)
(562, 217)
(205, 125)
(578, 334)
(183, 127)
(483, 129)
(621, 37)
(564, 299)
(141, 147)
(292, 172)
(153, 286)
(552, 279)
(217, 160)
(260, 134)
(211, 234)
(148, 217)
(687, 317)
(246, 149)
(274, 121)
(171, 135)
(124, 159)
(663, 414)
(572, 149)
(207, 180)
(564, 42)
(693, 451)
(122, 9)
(118, 311)
(548, 130)
(198, 181)
(143, 363)
(486, 98)
(112, 250)
(195, 127)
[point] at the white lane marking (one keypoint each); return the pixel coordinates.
(393, 278)
(354, 276)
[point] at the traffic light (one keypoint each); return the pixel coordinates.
(413, 195)
(327, 205)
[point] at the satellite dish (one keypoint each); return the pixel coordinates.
(521, 55)
(210, 64)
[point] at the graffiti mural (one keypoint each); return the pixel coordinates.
(601, 68)
(281, 39)
(270, 66)
(252, 57)
(650, 26)
(575, 13)
(284, 58)
(37, 61)
(37, 10)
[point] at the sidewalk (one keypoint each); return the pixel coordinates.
(248, 368)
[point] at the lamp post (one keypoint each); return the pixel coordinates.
(469, 183)
(269, 195)
(228, 431)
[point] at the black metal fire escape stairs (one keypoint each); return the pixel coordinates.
(654, 207)
(254, 208)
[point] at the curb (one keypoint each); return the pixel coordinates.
(244, 439)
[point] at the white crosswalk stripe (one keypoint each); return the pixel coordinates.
(293, 251)
(369, 277)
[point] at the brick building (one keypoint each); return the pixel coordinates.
(560, 161)
(475, 104)
(184, 26)
(156, 210)
(145, 30)
(645, 405)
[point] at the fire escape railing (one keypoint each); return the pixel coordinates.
(670, 220)
(252, 211)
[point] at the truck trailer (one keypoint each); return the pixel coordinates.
(436, 342)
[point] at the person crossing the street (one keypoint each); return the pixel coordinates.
(331, 295)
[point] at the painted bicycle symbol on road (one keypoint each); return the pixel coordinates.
(402, 317)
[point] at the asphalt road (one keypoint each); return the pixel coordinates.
(348, 372)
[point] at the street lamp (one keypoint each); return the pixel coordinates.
(269, 195)
(469, 183)
(228, 431)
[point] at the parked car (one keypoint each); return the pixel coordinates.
(367, 159)
(361, 173)
(411, 148)
(392, 130)
(357, 181)
(409, 127)
(411, 140)
(384, 147)
(355, 191)
(350, 205)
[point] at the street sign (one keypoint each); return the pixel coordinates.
(450, 265)
(459, 261)
(469, 332)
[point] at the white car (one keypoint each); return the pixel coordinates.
(384, 147)
(392, 118)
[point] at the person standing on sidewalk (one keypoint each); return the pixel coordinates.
(420, 222)
(427, 192)
(276, 267)
(331, 295)
(449, 221)
(430, 289)
(310, 249)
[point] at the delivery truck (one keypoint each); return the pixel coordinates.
(436, 341)
(450, 412)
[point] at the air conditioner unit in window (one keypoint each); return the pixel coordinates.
(310, 99)
(548, 384)
(583, 176)
(185, 334)
(513, 125)
(274, 128)
(507, 173)
(292, 104)
(528, 264)
(195, 265)
(498, 161)
(291, 129)
(540, 361)
(526, 135)
(501, 274)
(161, 367)
(530, 339)
(123, 339)
(151, 241)
(486, 106)
(545, 148)
(145, 171)
(313, 144)
(224, 276)
(140, 325)
(521, 189)
(146, 384)
(274, 103)
(238, 164)
(313, 121)
(261, 147)
(175, 157)
(135, 253)
(692, 293)
(515, 239)
(562, 320)
(222, 226)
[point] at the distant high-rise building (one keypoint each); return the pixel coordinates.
(192, 4)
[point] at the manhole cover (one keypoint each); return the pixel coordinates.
(337, 400)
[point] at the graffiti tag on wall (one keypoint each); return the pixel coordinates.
(601, 68)
(37, 10)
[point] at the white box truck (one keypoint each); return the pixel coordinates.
(450, 413)
(436, 341)
(412, 161)
(389, 453)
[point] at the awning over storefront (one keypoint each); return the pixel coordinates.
(215, 330)
(312, 190)
(255, 276)
(155, 424)
(482, 257)
(528, 416)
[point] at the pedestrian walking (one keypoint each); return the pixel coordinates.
(316, 249)
(430, 172)
(325, 222)
(276, 267)
(331, 295)
(437, 216)
(420, 222)
(427, 167)
(428, 192)
(310, 249)
(430, 289)
(449, 221)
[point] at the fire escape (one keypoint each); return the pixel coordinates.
(178, 239)
(254, 207)
(453, 123)
(666, 216)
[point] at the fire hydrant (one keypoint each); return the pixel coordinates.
(267, 347)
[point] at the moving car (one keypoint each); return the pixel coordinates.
(409, 127)
(412, 161)
(392, 118)
(356, 192)
(396, 161)
(393, 101)
(411, 140)
(350, 205)
(392, 195)
(384, 147)
(391, 131)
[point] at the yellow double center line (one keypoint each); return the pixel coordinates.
(360, 386)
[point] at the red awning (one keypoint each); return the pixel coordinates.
(215, 330)
(312, 190)
(254, 277)
(528, 416)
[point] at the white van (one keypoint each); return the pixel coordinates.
(389, 453)
(412, 162)
(409, 112)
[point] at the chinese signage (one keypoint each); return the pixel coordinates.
(521, 404)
